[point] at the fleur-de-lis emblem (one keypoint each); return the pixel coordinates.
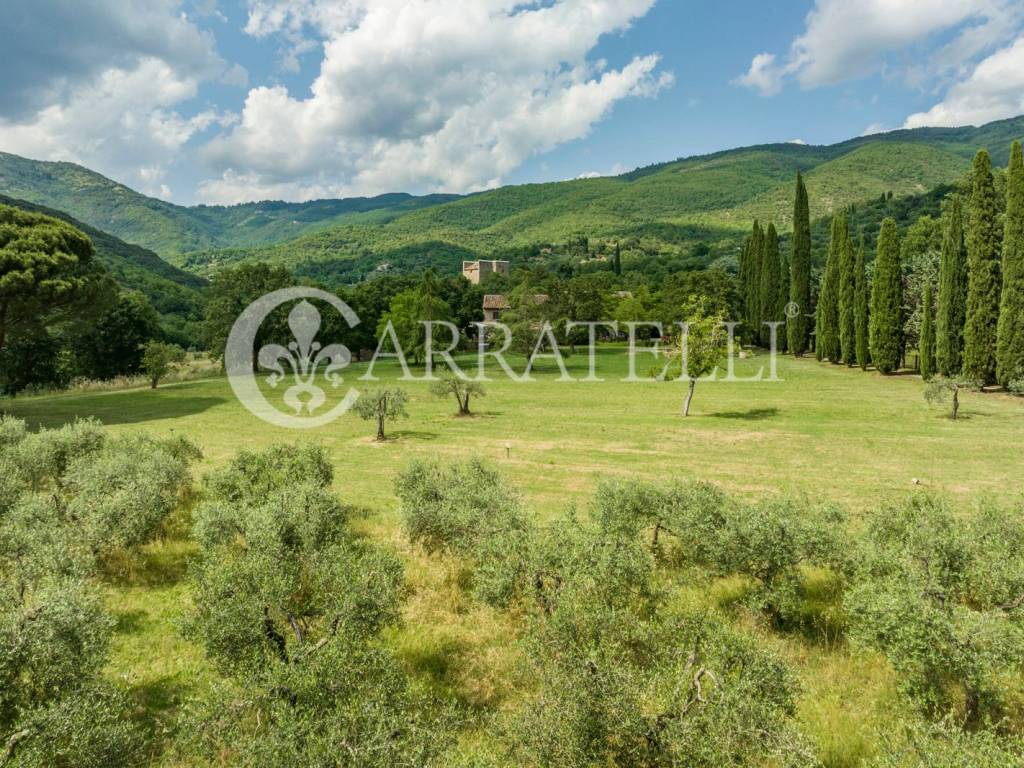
(305, 356)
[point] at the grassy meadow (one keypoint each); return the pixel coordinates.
(824, 430)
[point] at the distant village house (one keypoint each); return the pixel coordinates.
(476, 271)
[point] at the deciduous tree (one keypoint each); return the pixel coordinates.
(157, 359)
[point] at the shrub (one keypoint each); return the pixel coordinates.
(458, 507)
(251, 476)
(290, 606)
(89, 728)
(619, 689)
(926, 598)
(12, 431)
(54, 638)
(45, 456)
(120, 497)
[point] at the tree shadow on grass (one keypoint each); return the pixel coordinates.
(755, 414)
(133, 406)
(411, 434)
(157, 701)
(129, 622)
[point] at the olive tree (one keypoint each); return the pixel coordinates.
(946, 391)
(617, 688)
(381, 405)
(56, 707)
(289, 606)
(943, 605)
(459, 388)
(119, 497)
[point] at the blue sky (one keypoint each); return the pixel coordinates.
(224, 101)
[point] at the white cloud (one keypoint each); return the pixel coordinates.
(874, 128)
(53, 47)
(103, 83)
(847, 40)
(993, 91)
(123, 124)
(616, 170)
(800, 142)
(426, 95)
(764, 75)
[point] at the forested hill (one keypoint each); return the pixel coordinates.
(666, 208)
(173, 292)
(170, 229)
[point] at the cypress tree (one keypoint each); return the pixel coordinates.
(952, 302)
(798, 327)
(1010, 344)
(827, 314)
(860, 289)
(886, 323)
(617, 260)
(753, 288)
(771, 280)
(744, 276)
(982, 276)
(927, 351)
(783, 299)
(847, 303)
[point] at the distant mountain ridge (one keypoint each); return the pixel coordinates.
(710, 198)
(170, 229)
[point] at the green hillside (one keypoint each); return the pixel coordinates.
(169, 229)
(173, 292)
(666, 208)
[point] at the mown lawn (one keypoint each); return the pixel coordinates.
(851, 436)
(831, 432)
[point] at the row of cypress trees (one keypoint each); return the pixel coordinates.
(973, 325)
(978, 331)
(764, 283)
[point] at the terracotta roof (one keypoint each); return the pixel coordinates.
(495, 301)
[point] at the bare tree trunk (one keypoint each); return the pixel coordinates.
(380, 428)
(465, 406)
(689, 397)
(956, 404)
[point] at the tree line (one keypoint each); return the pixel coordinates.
(965, 318)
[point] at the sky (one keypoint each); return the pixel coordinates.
(230, 101)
